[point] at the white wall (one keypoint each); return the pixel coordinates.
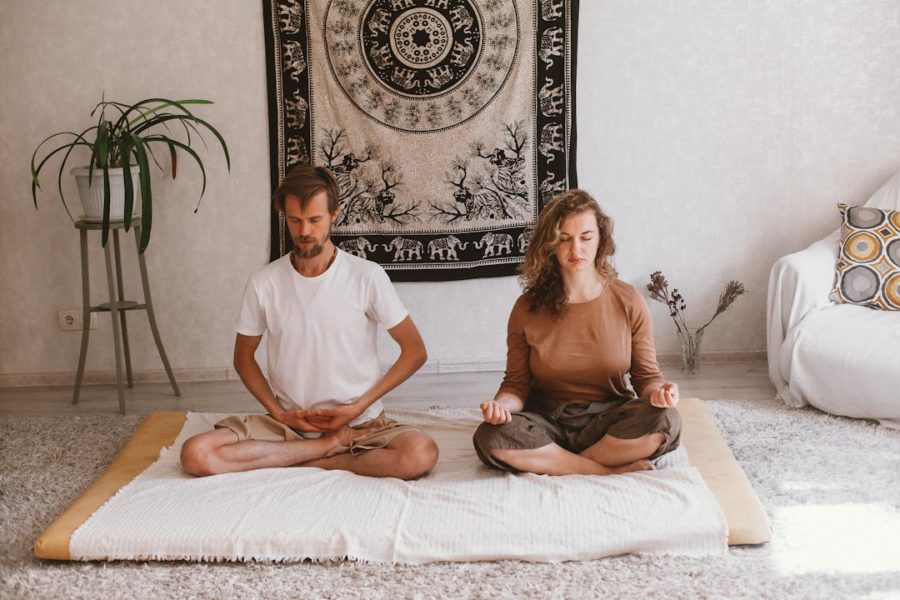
(718, 135)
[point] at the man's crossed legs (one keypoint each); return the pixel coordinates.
(378, 448)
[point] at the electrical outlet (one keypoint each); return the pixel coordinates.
(70, 319)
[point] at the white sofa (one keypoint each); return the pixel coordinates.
(841, 358)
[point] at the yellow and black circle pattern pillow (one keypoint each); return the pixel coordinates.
(868, 263)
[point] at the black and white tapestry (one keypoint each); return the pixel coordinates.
(448, 123)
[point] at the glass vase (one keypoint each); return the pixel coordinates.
(690, 349)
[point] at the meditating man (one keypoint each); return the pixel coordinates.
(320, 307)
(565, 406)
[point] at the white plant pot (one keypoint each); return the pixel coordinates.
(92, 196)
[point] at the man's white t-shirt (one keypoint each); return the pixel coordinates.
(322, 331)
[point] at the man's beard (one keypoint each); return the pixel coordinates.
(315, 250)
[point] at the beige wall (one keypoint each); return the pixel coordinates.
(718, 135)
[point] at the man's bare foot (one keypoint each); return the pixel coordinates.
(344, 436)
(638, 465)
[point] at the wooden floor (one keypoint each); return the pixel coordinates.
(745, 380)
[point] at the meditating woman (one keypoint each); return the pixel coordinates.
(565, 406)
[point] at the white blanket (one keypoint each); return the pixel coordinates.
(462, 511)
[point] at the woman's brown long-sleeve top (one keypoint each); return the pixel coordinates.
(585, 355)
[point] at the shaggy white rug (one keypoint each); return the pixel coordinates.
(831, 486)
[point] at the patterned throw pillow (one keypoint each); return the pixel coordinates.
(868, 263)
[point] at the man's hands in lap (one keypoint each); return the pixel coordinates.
(334, 417)
(298, 419)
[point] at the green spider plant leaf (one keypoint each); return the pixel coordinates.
(100, 149)
(67, 147)
(174, 157)
(191, 152)
(127, 183)
(145, 112)
(106, 203)
(140, 154)
(199, 121)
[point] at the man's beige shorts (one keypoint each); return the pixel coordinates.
(266, 429)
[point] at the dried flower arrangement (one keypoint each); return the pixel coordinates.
(690, 338)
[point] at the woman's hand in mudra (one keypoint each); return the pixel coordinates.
(495, 413)
(666, 396)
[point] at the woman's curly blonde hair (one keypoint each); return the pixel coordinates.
(540, 273)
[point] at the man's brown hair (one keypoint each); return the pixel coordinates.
(304, 182)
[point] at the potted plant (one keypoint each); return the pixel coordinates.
(122, 146)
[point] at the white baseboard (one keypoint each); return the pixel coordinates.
(498, 363)
(431, 366)
(459, 365)
(674, 358)
(109, 377)
(470, 365)
(446, 365)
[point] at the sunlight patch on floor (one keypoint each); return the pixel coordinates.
(836, 538)
(881, 595)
